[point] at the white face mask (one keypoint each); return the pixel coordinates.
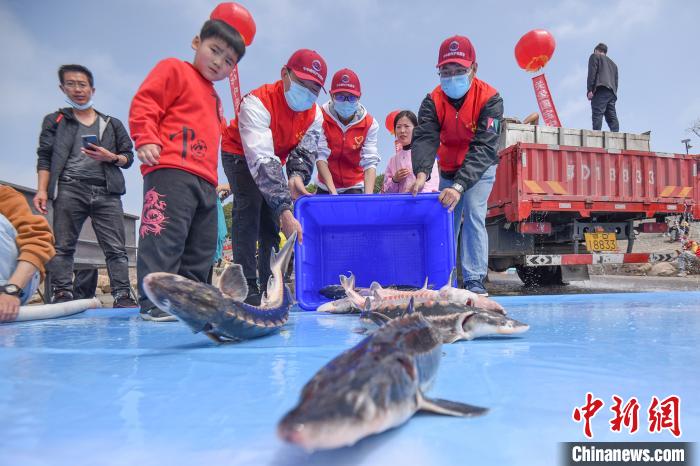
(85, 106)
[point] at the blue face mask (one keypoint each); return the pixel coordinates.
(299, 98)
(456, 86)
(78, 106)
(345, 109)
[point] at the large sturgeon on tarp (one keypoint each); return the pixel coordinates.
(384, 297)
(452, 322)
(375, 386)
(220, 312)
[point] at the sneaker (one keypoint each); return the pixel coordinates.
(254, 295)
(476, 286)
(61, 296)
(155, 314)
(123, 300)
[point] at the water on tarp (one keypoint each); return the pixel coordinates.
(106, 388)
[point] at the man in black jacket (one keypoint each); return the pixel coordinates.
(80, 157)
(460, 121)
(602, 88)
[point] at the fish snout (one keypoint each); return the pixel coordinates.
(292, 432)
(512, 327)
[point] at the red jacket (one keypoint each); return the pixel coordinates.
(457, 129)
(178, 109)
(287, 126)
(345, 147)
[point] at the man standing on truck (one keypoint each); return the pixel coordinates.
(602, 88)
(460, 121)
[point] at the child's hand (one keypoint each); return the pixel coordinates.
(149, 154)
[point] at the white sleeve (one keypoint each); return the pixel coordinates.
(369, 154)
(256, 136)
(323, 150)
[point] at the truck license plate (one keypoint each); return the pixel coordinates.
(600, 241)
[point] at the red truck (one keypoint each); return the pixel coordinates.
(564, 197)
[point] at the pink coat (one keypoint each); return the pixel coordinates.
(403, 160)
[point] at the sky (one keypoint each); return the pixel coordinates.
(392, 45)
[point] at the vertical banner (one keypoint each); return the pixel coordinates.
(545, 101)
(235, 89)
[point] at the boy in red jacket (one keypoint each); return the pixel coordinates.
(176, 121)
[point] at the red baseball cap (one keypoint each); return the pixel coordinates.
(456, 49)
(346, 80)
(308, 64)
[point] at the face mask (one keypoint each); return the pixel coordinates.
(456, 86)
(345, 109)
(299, 98)
(78, 106)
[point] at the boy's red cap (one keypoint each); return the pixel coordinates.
(456, 49)
(346, 80)
(308, 64)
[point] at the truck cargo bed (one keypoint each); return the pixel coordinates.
(584, 180)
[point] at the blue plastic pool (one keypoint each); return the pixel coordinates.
(105, 388)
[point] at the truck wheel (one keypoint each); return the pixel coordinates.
(533, 277)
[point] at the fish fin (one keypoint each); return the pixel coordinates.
(453, 276)
(425, 285)
(377, 318)
(348, 283)
(215, 338)
(449, 408)
(375, 287)
(233, 282)
(283, 253)
(410, 309)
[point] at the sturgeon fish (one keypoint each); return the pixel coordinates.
(375, 386)
(382, 296)
(452, 322)
(220, 313)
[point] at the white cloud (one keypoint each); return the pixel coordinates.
(589, 19)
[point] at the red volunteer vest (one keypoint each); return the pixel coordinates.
(288, 127)
(457, 129)
(344, 161)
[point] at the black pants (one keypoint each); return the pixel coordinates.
(347, 191)
(252, 221)
(178, 227)
(75, 202)
(84, 283)
(603, 103)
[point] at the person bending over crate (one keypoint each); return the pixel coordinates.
(279, 125)
(460, 121)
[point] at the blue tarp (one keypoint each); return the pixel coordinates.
(105, 388)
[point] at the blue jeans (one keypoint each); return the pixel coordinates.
(475, 241)
(8, 259)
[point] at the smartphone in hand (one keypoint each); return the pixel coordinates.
(89, 139)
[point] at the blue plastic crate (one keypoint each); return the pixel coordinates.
(392, 238)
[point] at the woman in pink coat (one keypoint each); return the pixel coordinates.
(399, 177)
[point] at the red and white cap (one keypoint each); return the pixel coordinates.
(346, 80)
(308, 64)
(456, 49)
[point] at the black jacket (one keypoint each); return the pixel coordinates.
(483, 150)
(602, 71)
(57, 136)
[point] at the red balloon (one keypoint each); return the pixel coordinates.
(389, 122)
(237, 16)
(534, 49)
